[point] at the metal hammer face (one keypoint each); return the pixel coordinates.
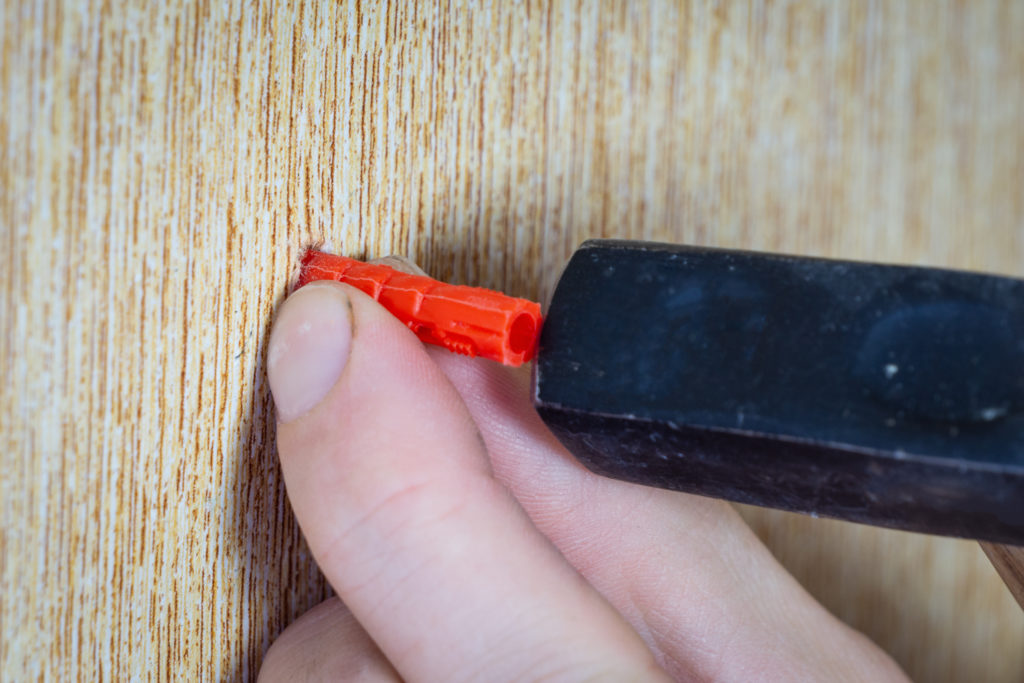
(881, 394)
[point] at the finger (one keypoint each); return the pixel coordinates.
(390, 483)
(685, 571)
(399, 263)
(326, 644)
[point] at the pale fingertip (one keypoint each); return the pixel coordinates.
(309, 346)
(400, 263)
(326, 644)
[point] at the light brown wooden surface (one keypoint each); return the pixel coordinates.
(164, 163)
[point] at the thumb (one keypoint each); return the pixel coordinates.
(389, 480)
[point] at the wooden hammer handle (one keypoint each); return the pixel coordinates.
(1009, 563)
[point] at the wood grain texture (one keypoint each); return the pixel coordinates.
(163, 163)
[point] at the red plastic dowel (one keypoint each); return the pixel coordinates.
(467, 320)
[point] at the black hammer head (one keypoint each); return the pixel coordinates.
(882, 394)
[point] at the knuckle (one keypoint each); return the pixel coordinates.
(388, 524)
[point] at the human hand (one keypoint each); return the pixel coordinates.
(465, 543)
